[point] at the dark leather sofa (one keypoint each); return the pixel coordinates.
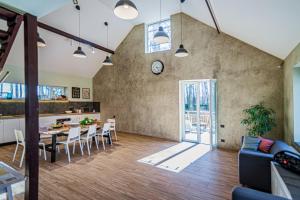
(255, 166)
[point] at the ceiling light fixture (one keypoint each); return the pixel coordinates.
(181, 51)
(125, 9)
(107, 61)
(79, 53)
(40, 41)
(161, 37)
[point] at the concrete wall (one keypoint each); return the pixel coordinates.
(148, 104)
(290, 62)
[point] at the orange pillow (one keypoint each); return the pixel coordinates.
(265, 145)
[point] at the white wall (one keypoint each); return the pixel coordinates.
(296, 91)
(52, 79)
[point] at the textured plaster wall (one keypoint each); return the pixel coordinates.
(289, 64)
(148, 104)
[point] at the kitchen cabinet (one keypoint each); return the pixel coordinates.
(9, 127)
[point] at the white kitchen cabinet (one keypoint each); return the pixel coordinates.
(9, 126)
(22, 125)
(1, 131)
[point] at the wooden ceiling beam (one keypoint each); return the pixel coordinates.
(73, 37)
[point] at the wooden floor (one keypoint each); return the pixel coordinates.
(116, 174)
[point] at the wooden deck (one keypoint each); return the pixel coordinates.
(116, 174)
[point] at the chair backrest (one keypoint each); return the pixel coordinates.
(74, 134)
(92, 130)
(19, 137)
(112, 123)
(106, 128)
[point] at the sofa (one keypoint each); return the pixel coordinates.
(240, 193)
(255, 166)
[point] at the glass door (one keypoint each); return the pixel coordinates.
(198, 111)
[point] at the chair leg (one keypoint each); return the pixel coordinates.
(96, 141)
(88, 147)
(74, 144)
(45, 155)
(58, 149)
(110, 138)
(116, 134)
(103, 144)
(22, 158)
(81, 147)
(16, 150)
(68, 152)
(40, 152)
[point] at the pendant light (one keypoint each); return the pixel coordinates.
(79, 52)
(125, 9)
(161, 37)
(40, 41)
(107, 61)
(181, 51)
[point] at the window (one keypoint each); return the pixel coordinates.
(296, 93)
(17, 91)
(151, 29)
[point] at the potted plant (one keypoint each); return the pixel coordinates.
(259, 120)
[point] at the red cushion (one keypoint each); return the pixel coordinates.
(265, 145)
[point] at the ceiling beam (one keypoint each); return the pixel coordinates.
(73, 37)
(213, 16)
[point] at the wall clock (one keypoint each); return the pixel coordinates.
(157, 67)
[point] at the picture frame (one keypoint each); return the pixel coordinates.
(86, 93)
(75, 92)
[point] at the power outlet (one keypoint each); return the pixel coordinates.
(222, 126)
(222, 140)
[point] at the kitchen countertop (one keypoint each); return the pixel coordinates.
(46, 115)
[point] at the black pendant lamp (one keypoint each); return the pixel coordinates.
(40, 41)
(107, 61)
(181, 51)
(161, 37)
(125, 9)
(79, 53)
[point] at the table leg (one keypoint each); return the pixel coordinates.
(9, 194)
(53, 149)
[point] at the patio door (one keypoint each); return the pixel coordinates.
(198, 111)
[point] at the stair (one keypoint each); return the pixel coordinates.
(7, 37)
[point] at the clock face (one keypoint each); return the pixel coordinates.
(157, 67)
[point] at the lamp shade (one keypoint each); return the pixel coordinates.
(161, 37)
(125, 9)
(107, 61)
(41, 42)
(181, 52)
(79, 53)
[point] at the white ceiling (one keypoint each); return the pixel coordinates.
(270, 25)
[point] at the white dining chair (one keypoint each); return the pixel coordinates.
(104, 132)
(113, 127)
(88, 138)
(73, 137)
(21, 142)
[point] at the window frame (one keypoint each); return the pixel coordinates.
(147, 47)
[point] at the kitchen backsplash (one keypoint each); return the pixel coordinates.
(18, 107)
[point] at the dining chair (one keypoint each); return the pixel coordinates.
(73, 137)
(113, 127)
(104, 132)
(88, 138)
(21, 142)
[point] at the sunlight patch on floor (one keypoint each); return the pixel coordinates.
(165, 154)
(184, 159)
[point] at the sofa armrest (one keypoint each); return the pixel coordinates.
(255, 169)
(240, 193)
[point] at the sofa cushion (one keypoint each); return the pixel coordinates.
(265, 145)
(281, 146)
(251, 143)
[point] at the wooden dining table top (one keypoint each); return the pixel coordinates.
(65, 129)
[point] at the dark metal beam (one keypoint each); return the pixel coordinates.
(73, 37)
(31, 108)
(213, 15)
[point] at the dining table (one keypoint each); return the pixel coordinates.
(62, 131)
